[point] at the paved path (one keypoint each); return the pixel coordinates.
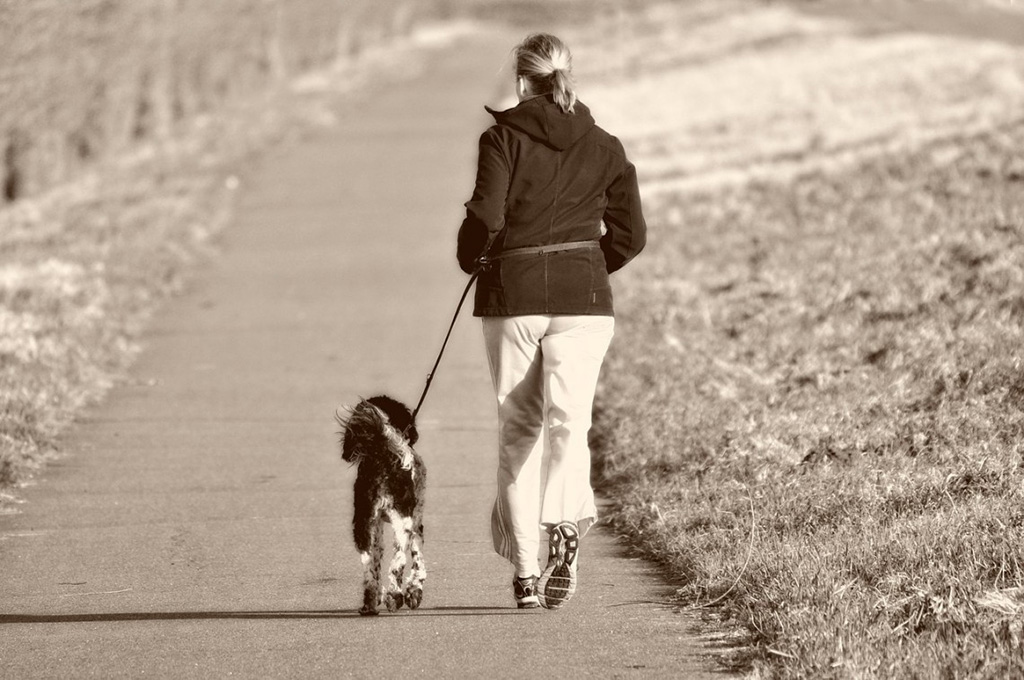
(201, 526)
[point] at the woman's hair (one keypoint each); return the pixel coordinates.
(546, 63)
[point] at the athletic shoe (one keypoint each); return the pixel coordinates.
(525, 590)
(558, 582)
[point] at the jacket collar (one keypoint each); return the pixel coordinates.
(543, 120)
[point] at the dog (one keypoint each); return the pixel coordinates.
(378, 435)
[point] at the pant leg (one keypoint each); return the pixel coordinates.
(514, 355)
(573, 351)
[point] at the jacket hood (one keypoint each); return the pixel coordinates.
(542, 119)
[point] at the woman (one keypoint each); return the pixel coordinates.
(547, 178)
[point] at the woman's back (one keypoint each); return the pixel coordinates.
(550, 177)
(561, 164)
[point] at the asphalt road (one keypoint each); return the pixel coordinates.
(199, 525)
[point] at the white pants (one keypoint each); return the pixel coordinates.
(545, 370)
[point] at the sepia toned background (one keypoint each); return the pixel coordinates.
(812, 414)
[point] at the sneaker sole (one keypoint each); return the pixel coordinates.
(560, 586)
(558, 582)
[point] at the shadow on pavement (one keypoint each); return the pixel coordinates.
(8, 619)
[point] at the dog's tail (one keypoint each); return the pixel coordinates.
(368, 431)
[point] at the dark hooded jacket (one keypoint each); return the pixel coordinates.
(547, 177)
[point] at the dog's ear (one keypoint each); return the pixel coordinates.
(347, 445)
(341, 415)
(398, 415)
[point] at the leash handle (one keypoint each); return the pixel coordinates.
(430, 376)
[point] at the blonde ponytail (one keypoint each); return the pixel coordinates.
(563, 91)
(546, 63)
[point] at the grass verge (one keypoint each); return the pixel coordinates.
(813, 411)
(844, 357)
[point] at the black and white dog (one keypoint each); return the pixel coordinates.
(378, 436)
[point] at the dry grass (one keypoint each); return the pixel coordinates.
(81, 269)
(87, 80)
(833, 342)
(861, 380)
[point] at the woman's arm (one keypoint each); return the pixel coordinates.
(485, 211)
(627, 230)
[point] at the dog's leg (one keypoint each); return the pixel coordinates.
(372, 555)
(370, 585)
(365, 535)
(402, 526)
(378, 559)
(418, 572)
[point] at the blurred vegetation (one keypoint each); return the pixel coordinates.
(535, 14)
(86, 79)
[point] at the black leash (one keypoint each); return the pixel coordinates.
(430, 376)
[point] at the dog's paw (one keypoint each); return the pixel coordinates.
(371, 600)
(394, 601)
(413, 596)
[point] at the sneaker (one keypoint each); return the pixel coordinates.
(558, 582)
(525, 590)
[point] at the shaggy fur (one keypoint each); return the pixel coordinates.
(378, 436)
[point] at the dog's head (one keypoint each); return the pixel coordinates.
(365, 423)
(399, 415)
